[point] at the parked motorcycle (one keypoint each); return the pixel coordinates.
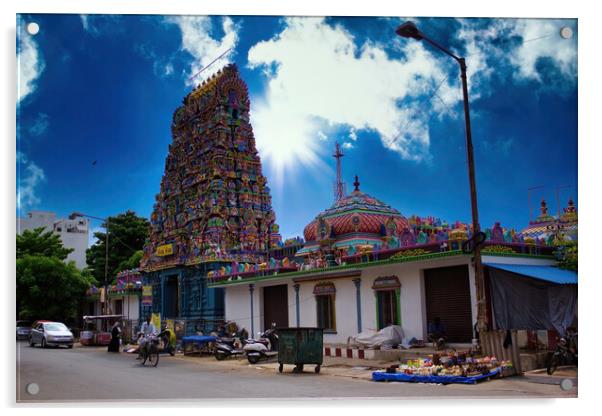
(565, 353)
(263, 348)
(228, 346)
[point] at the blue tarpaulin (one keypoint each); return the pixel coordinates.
(547, 273)
(198, 339)
(411, 378)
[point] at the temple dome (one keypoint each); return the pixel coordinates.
(356, 213)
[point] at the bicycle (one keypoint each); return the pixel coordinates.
(150, 351)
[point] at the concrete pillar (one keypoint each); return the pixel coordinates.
(357, 281)
(296, 287)
(162, 296)
(251, 290)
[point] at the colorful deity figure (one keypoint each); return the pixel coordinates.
(497, 233)
(407, 238)
(390, 227)
(422, 238)
(393, 242)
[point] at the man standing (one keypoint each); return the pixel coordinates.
(436, 333)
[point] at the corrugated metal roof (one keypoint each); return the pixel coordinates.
(547, 273)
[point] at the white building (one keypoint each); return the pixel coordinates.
(73, 232)
(366, 266)
(346, 300)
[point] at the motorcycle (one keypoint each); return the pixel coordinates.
(263, 348)
(230, 346)
(565, 353)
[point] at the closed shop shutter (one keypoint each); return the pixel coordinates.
(448, 297)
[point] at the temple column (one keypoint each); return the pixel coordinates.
(358, 301)
(162, 296)
(296, 287)
(251, 290)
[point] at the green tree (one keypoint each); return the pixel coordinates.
(41, 243)
(131, 263)
(127, 233)
(49, 288)
(569, 258)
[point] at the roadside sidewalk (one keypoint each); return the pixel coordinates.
(332, 366)
(351, 368)
(562, 373)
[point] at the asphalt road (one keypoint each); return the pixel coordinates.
(92, 374)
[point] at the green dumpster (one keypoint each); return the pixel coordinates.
(300, 346)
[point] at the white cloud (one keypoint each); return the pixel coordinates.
(29, 177)
(99, 24)
(162, 66)
(491, 46)
(479, 50)
(30, 63)
(322, 136)
(318, 77)
(86, 23)
(39, 125)
(92, 238)
(348, 145)
(541, 39)
(168, 69)
(352, 134)
(198, 42)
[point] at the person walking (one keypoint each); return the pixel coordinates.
(115, 337)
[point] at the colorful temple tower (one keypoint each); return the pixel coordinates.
(214, 206)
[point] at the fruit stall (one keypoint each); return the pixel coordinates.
(447, 368)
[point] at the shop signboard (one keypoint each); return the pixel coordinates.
(165, 250)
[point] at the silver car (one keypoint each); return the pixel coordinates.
(50, 334)
(23, 328)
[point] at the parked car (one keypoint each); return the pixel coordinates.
(50, 334)
(23, 328)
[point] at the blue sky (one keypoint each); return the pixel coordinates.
(103, 89)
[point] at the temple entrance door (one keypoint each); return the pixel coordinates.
(275, 306)
(172, 297)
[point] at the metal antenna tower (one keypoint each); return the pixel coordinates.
(339, 186)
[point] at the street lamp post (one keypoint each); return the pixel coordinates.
(106, 222)
(409, 30)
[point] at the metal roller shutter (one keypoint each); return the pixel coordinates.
(448, 297)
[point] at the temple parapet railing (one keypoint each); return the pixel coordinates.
(408, 253)
(252, 273)
(489, 247)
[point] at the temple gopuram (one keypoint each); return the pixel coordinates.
(214, 206)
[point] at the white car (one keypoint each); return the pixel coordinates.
(50, 334)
